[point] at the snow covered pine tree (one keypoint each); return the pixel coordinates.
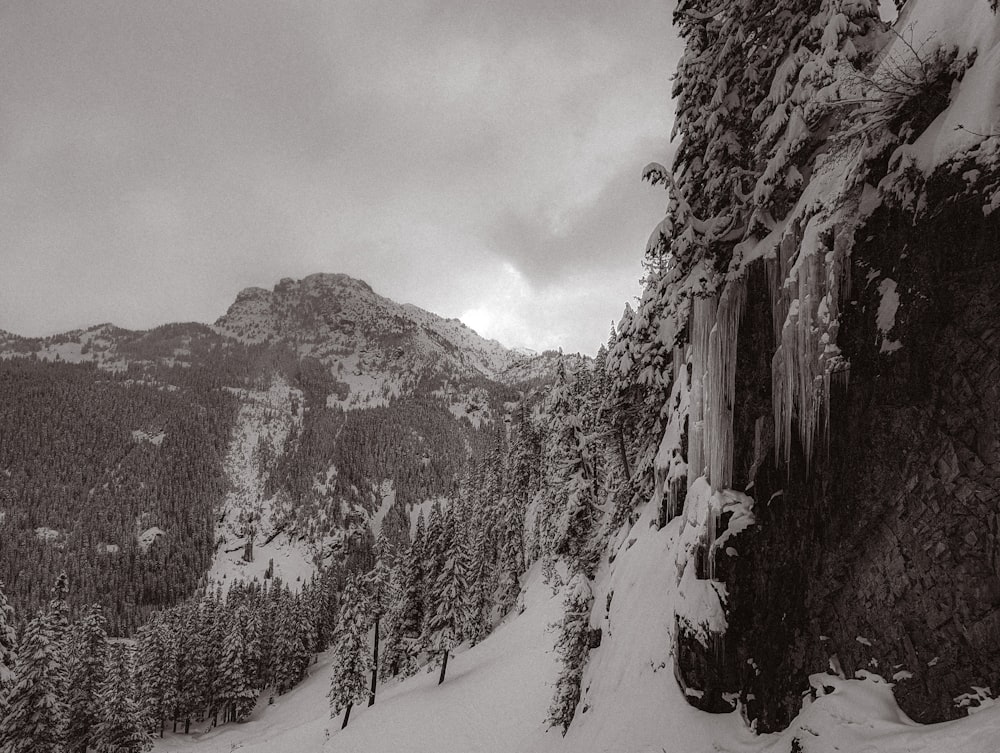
(37, 715)
(573, 646)
(351, 660)
(121, 727)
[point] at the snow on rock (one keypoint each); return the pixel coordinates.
(50, 536)
(861, 716)
(154, 438)
(977, 700)
(886, 317)
(149, 536)
(264, 422)
(974, 111)
(376, 349)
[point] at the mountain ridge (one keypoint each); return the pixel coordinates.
(376, 348)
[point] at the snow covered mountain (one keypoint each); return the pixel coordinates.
(374, 348)
(377, 348)
(277, 375)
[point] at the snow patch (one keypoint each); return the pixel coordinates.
(51, 536)
(387, 493)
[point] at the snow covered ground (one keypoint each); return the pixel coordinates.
(495, 698)
(496, 695)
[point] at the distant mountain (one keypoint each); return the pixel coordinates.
(320, 410)
(375, 349)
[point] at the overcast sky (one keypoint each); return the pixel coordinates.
(479, 159)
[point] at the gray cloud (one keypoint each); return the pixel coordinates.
(158, 157)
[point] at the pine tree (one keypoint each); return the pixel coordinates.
(190, 675)
(351, 660)
(87, 648)
(433, 558)
(121, 727)
(212, 627)
(476, 598)
(377, 585)
(511, 554)
(572, 647)
(37, 713)
(412, 597)
(449, 619)
(306, 646)
(237, 695)
(8, 656)
(253, 648)
(397, 657)
(578, 492)
(156, 661)
(288, 648)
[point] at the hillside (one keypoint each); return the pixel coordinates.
(496, 700)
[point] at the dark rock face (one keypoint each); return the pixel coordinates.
(887, 557)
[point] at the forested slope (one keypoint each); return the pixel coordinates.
(91, 462)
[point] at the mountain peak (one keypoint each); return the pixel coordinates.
(376, 347)
(322, 281)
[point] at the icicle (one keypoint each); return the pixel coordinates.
(702, 322)
(714, 515)
(670, 470)
(807, 280)
(720, 386)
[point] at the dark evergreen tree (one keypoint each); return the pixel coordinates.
(237, 695)
(289, 646)
(410, 618)
(377, 585)
(449, 619)
(87, 649)
(477, 602)
(121, 727)
(398, 656)
(433, 552)
(157, 671)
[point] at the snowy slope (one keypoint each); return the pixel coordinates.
(495, 697)
(95, 344)
(974, 111)
(265, 420)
